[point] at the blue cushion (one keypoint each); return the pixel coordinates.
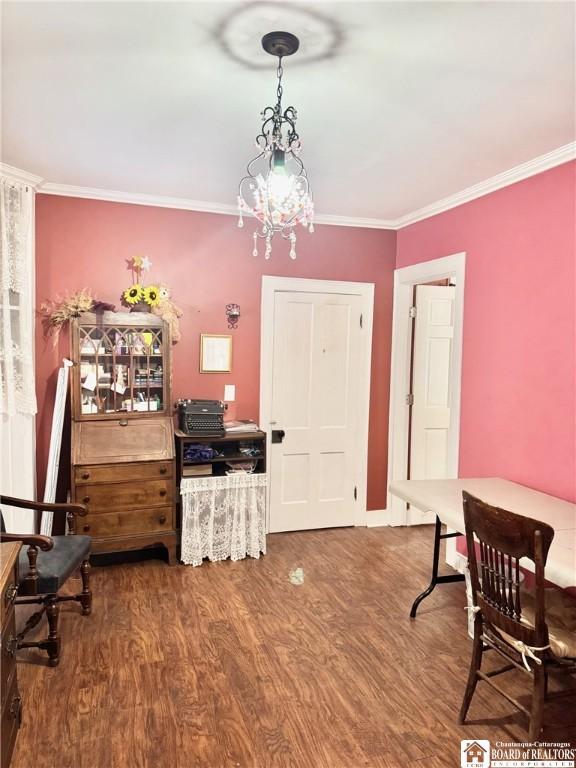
(55, 566)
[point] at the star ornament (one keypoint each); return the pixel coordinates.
(145, 263)
(137, 262)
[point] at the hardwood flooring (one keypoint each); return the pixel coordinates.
(232, 665)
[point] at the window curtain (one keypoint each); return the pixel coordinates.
(17, 391)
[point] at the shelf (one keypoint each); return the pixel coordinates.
(152, 385)
(227, 438)
(120, 354)
(127, 391)
(234, 457)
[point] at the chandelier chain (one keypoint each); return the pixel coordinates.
(279, 90)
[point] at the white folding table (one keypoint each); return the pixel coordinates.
(444, 499)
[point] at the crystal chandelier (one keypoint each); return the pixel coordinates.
(276, 189)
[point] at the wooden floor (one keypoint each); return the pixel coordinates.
(231, 664)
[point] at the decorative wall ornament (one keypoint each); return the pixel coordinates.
(276, 189)
(233, 315)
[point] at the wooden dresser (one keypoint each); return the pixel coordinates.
(11, 701)
(122, 433)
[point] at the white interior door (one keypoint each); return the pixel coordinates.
(432, 360)
(316, 372)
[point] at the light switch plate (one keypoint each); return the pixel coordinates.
(229, 393)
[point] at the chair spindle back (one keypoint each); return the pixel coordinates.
(503, 538)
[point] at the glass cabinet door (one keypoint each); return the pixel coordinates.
(121, 369)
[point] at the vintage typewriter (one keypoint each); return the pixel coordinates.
(204, 418)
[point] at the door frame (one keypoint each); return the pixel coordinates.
(272, 285)
(405, 279)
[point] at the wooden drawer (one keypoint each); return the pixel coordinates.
(11, 717)
(122, 440)
(114, 473)
(128, 523)
(113, 497)
(7, 648)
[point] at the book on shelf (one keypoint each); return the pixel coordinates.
(198, 470)
(244, 425)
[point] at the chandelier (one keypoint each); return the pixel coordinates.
(275, 189)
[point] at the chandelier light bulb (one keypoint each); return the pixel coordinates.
(275, 189)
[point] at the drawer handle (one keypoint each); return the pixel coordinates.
(86, 528)
(162, 519)
(162, 470)
(163, 492)
(11, 646)
(123, 422)
(85, 475)
(86, 499)
(10, 594)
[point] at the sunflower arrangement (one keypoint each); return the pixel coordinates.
(133, 294)
(138, 294)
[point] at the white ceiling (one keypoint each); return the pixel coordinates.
(400, 104)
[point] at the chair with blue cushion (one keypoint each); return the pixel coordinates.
(43, 570)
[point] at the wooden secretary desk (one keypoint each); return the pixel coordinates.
(122, 431)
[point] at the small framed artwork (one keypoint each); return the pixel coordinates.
(215, 353)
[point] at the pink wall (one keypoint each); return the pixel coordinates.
(518, 379)
(518, 387)
(207, 261)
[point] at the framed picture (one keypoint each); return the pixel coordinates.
(215, 353)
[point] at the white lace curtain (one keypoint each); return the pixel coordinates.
(17, 393)
(223, 517)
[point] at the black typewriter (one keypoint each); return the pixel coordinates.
(204, 418)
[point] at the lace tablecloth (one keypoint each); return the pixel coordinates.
(223, 517)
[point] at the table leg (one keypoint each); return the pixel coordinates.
(438, 536)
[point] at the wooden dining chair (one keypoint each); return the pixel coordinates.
(44, 568)
(533, 630)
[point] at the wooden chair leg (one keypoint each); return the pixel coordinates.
(475, 664)
(85, 597)
(52, 643)
(538, 693)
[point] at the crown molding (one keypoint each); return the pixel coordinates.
(136, 198)
(354, 221)
(20, 176)
(523, 171)
(539, 164)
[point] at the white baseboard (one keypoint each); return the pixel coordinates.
(376, 518)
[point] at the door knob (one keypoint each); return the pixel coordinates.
(278, 435)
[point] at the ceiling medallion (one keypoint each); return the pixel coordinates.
(276, 189)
